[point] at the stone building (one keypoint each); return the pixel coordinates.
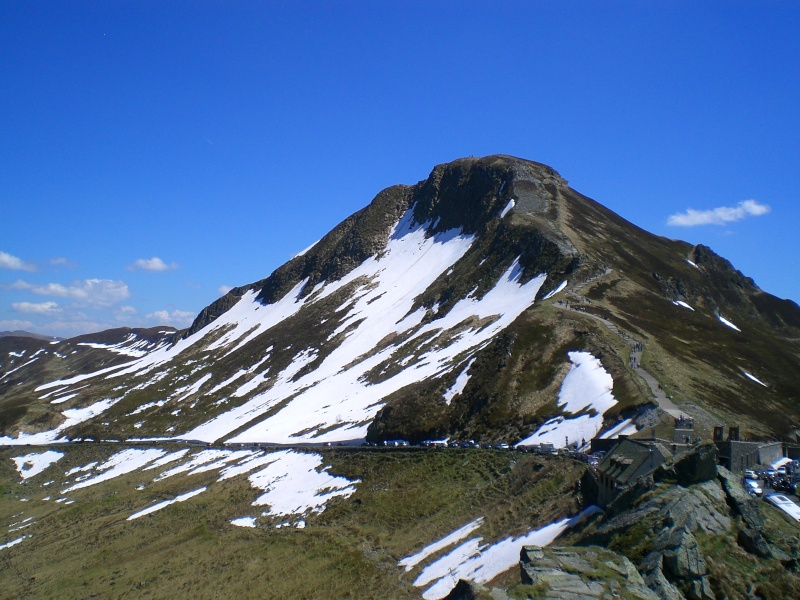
(737, 455)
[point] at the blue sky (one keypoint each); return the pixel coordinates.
(153, 153)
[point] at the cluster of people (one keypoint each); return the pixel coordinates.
(780, 482)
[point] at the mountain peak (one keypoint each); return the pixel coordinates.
(455, 306)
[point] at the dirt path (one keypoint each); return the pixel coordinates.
(635, 360)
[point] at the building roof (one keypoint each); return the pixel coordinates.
(631, 459)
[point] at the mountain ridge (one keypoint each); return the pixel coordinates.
(436, 256)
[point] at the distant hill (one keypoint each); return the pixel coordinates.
(38, 336)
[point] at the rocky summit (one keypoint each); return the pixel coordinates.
(488, 307)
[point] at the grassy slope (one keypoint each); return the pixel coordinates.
(405, 501)
(695, 357)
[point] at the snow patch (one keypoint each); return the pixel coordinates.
(165, 503)
(560, 288)
(725, 321)
(586, 389)
(244, 522)
(118, 464)
(482, 563)
(625, 427)
(509, 206)
(12, 543)
(33, 464)
(754, 378)
(73, 416)
(294, 485)
(460, 383)
(410, 562)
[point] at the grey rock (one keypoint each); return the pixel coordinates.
(742, 502)
(751, 540)
(581, 572)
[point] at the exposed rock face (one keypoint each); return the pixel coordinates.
(672, 564)
(587, 572)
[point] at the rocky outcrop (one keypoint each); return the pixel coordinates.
(676, 568)
(751, 537)
(585, 572)
(661, 528)
(740, 501)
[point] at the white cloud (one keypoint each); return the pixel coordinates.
(151, 264)
(176, 318)
(127, 310)
(36, 308)
(719, 216)
(61, 261)
(15, 324)
(224, 289)
(98, 293)
(8, 261)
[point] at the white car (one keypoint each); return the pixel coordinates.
(751, 487)
(749, 474)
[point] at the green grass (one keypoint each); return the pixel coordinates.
(405, 500)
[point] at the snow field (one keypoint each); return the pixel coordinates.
(333, 394)
(358, 401)
(291, 483)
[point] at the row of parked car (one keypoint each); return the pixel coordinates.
(780, 480)
(437, 444)
(537, 448)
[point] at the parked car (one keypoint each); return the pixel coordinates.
(750, 474)
(751, 487)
